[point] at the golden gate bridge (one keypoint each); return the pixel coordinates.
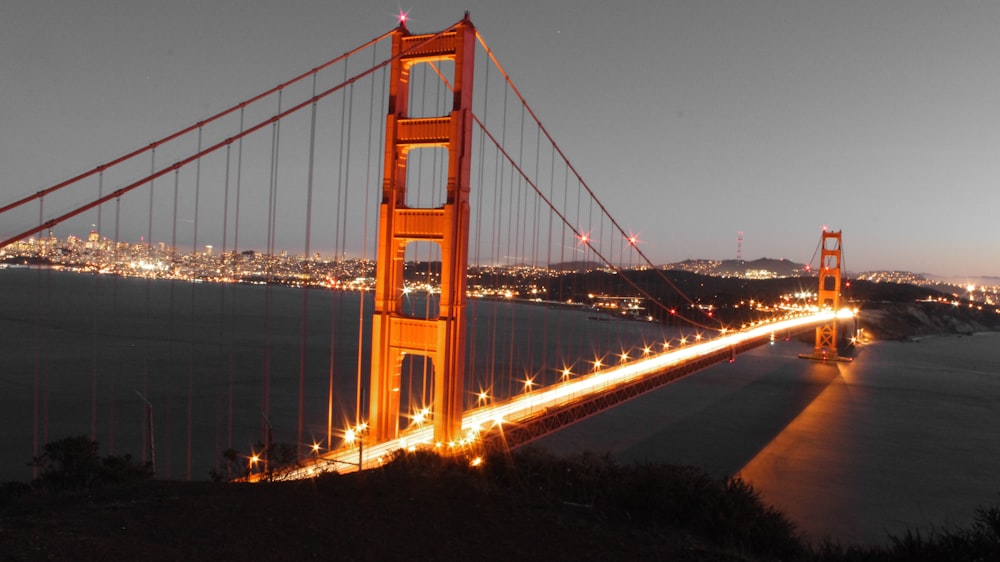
(477, 199)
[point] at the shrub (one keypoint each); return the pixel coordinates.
(72, 463)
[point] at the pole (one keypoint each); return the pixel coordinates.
(267, 441)
(149, 430)
(361, 436)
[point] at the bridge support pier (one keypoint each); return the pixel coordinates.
(442, 337)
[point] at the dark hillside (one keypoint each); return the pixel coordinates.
(525, 506)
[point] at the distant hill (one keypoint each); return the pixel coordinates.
(981, 280)
(580, 265)
(758, 268)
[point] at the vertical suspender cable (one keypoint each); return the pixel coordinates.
(536, 236)
(491, 256)
(46, 355)
(225, 265)
(361, 305)
(347, 171)
(94, 313)
(338, 239)
(268, 291)
(114, 315)
(46, 342)
(338, 246)
(364, 242)
(171, 345)
(239, 176)
(147, 318)
(604, 211)
(308, 260)
(507, 251)
(472, 349)
(498, 225)
(36, 387)
(236, 257)
(519, 250)
(549, 257)
(152, 170)
(194, 320)
(494, 263)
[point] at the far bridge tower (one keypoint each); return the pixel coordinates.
(828, 297)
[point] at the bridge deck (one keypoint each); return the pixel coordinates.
(531, 415)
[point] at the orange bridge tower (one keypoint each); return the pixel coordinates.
(441, 336)
(828, 297)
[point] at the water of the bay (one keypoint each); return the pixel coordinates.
(81, 354)
(903, 438)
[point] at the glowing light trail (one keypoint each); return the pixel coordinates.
(531, 403)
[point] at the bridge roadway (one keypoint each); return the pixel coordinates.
(530, 415)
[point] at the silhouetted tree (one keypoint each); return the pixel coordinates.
(72, 463)
(232, 465)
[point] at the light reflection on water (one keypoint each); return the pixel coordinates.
(902, 438)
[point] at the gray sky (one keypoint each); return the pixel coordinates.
(692, 119)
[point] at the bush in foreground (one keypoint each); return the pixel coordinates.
(73, 463)
(978, 543)
(660, 500)
(663, 500)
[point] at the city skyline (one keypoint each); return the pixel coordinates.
(691, 121)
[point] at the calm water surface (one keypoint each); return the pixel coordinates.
(77, 350)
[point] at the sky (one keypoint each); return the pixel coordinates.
(692, 119)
